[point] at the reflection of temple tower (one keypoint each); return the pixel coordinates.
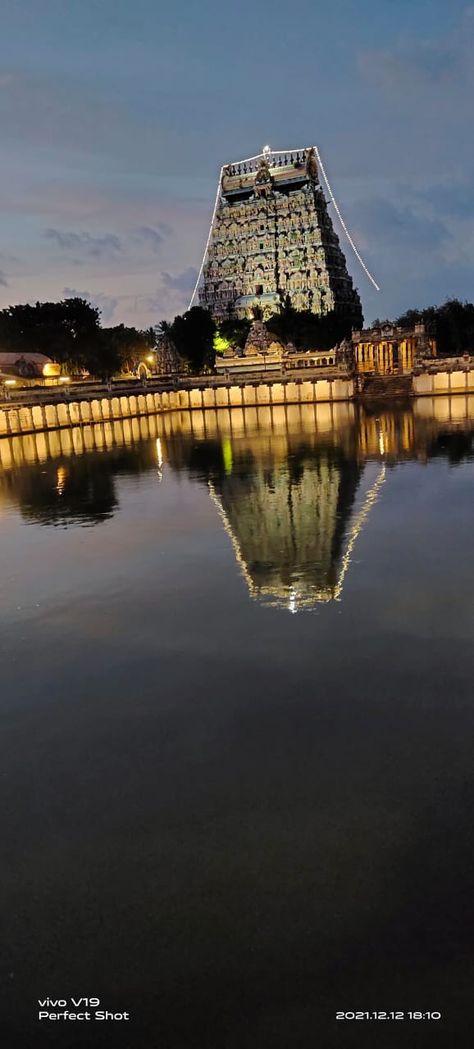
(287, 522)
(272, 240)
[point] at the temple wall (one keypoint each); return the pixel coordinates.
(443, 383)
(250, 395)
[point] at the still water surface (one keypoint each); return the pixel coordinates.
(237, 727)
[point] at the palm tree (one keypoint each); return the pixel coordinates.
(163, 329)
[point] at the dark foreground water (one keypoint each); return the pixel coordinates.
(237, 773)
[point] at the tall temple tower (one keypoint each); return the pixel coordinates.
(272, 241)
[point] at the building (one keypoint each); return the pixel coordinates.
(390, 351)
(263, 354)
(28, 365)
(272, 241)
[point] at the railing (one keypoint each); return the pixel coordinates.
(25, 396)
(275, 159)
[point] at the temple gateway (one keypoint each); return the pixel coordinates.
(272, 241)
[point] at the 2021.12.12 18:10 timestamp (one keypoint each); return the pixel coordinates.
(394, 1014)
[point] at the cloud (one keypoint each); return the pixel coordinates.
(184, 281)
(172, 295)
(407, 68)
(431, 66)
(57, 111)
(3, 280)
(453, 200)
(106, 303)
(85, 243)
(153, 236)
(401, 226)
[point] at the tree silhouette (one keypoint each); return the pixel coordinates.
(192, 334)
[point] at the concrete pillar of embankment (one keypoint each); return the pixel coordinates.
(26, 420)
(96, 411)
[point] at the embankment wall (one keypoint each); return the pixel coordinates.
(40, 417)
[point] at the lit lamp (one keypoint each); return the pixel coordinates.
(51, 370)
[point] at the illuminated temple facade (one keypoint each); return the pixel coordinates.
(389, 350)
(272, 241)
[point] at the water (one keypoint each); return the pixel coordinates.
(237, 711)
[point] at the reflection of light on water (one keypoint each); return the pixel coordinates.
(227, 528)
(381, 444)
(370, 499)
(159, 457)
(293, 600)
(227, 454)
(61, 475)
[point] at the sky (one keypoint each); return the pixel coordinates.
(116, 116)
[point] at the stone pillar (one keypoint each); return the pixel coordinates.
(85, 411)
(13, 420)
(96, 411)
(26, 420)
(37, 416)
(63, 414)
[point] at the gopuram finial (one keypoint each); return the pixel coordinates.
(312, 164)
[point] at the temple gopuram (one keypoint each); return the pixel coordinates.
(272, 242)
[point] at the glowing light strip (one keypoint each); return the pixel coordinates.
(341, 220)
(193, 296)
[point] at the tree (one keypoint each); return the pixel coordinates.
(192, 334)
(120, 349)
(61, 330)
(452, 323)
(69, 332)
(377, 323)
(162, 329)
(235, 331)
(310, 330)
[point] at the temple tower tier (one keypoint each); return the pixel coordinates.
(272, 242)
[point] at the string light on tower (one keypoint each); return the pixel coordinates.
(341, 220)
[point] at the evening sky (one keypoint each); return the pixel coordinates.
(115, 118)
